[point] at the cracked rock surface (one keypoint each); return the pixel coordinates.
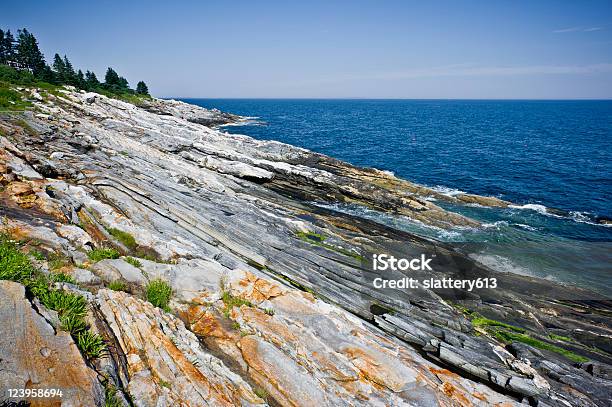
(272, 300)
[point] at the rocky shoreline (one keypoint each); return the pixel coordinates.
(272, 296)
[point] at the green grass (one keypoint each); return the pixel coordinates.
(65, 303)
(269, 311)
(12, 100)
(158, 293)
(37, 255)
(165, 384)
(124, 237)
(103, 253)
(508, 337)
(118, 285)
(110, 396)
(133, 261)
(14, 265)
(61, 278)
(91, 345)
(71, 308)
(231, 301)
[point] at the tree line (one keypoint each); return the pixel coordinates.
(23, 53)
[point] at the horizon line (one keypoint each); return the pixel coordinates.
(383, 98)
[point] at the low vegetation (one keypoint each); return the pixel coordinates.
(133, 261)
(158, 293)
(230, 301)
(71, 308)
(124, 237)
(118, 285)
(103, 253)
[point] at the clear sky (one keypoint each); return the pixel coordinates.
(334, 49)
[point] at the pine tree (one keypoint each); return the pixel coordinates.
(59, 68)
(9, 46)
(2, 53)
(111, 79)
(141, 88)
(29, 55)
(91, 81)
(69, 74)
(80, 80)
(123, 83)
(47, 75)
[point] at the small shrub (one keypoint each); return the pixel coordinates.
(90, 344)
(133, 261)
(104, 253)
(269, 311)
(118, 285)
(158, 293)
(124, 237)
(236, 326)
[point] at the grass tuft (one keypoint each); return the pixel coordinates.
(118, 285)
(61, 278)
(14, 265)
(124, 237)
(104, 253)
(158, 293)
(231, 301)
(91, 345)
(133, 261)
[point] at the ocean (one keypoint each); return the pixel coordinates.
(536, 154)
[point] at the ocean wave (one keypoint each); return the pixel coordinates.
(444, 190)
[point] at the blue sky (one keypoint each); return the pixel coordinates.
(335, 49)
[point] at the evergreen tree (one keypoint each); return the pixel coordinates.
(9, 46)
(123, 83)
(2, 53)
(29, 55)
(59, 68)
(80, 80)
(47, 75)
(141, 88)
(91, 81)
(111, 79)
(69, 74)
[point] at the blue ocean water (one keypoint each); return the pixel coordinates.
(536, 154)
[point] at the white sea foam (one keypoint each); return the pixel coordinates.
(533, 207)
(447, 191)
(500, 263)
(527, 227)
(495, 224)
